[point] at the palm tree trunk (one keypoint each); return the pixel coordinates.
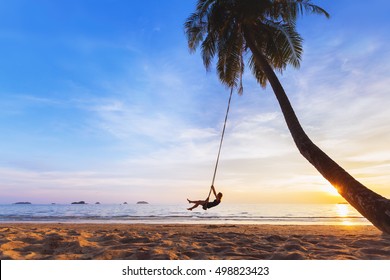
(371, 205)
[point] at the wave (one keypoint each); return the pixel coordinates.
(182, 218)
(245, 214)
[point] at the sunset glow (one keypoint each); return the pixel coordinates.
(331, 190)
(342, 210)
(103, 102)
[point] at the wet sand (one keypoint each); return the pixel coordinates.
(197, 242)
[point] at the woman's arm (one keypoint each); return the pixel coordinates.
(214, 192)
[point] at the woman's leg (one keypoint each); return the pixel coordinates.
(196, 203)
(193, 207)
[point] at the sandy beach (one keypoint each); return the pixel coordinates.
(182, 242)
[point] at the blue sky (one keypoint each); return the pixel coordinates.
(101, 101)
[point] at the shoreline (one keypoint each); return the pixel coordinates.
(234, 213)
(104, 241)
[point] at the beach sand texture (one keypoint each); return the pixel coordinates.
(182, 242)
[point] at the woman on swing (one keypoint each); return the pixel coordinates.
(205, 203)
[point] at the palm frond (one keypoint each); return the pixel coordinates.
(195, 30)
(289, 10)
(217, 27)
(306, 5)
(287, 41)
(240, 90)
(229, 63)
(209, 48)
(203, 6)
(257, 72)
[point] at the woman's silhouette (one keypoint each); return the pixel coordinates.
(205, 203)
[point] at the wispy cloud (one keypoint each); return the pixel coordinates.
(130, 119)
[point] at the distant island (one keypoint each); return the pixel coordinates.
(142, 202)
(23, 202)
(97, 202)
(79, 202)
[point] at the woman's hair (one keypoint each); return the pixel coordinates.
(220, 194)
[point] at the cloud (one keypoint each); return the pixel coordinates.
(152, 129)
(342, 100)
(342, 107)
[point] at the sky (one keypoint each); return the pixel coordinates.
(102, 101)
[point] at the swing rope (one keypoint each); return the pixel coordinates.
(220, 144)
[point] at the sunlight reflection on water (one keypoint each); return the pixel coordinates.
(339, 214)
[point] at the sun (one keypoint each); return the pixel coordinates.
(342, 210)
(331, 190)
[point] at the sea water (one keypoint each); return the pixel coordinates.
(158, 213)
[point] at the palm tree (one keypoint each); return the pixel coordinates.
(264, 33)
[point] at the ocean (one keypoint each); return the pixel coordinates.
(325, 214)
